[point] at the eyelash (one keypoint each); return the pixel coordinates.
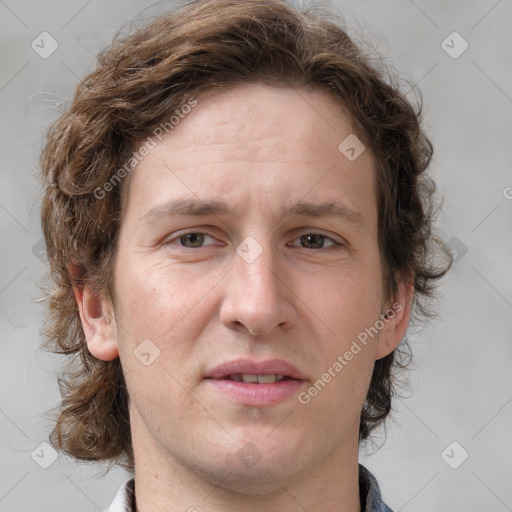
(325, 237)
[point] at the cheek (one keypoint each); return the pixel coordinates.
(347, 301)
(347, 306)
(154, 295)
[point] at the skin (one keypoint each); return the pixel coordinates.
(259, 149)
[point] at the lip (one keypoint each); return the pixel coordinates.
(253, 367)
(256, 395)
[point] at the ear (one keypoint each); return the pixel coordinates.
(97, 317)
(396, 321)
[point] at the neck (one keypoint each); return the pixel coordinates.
(164, 481)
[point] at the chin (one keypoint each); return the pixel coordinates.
(255, 464)
(263, 479)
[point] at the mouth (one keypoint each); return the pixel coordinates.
(256, 383)
(255, 378)
(254, 371)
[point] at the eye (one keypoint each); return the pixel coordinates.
(196, 240)
(190, 240)
(316, 240)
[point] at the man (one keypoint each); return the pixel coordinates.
(238, 222)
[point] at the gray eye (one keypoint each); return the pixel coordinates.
(315, 241)
(195, 239)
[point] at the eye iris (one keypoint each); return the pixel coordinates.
(308, 238)
(196, 238)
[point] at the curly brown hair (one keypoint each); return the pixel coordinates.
(140, 79)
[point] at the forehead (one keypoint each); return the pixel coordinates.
(259, 120)
(254, 139)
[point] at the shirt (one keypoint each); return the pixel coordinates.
(371, 500)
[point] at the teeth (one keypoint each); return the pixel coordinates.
(266, 379)
(253, 379)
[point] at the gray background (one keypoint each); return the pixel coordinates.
(461, 379)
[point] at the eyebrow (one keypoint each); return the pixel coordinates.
(199, 208)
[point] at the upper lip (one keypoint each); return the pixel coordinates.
(253, 367)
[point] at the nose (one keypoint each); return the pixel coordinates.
(258, 297)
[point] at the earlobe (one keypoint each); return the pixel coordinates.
(396, 321)
(96, 315)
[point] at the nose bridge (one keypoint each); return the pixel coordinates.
(255, 269)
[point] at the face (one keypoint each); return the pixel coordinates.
(231, 261)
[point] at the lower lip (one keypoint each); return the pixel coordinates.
(257, 394)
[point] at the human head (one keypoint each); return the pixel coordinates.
(140, 82)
